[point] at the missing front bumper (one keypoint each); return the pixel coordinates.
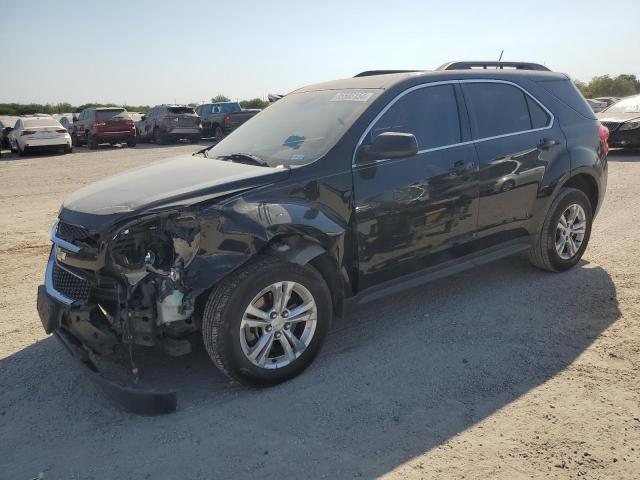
(131, 398)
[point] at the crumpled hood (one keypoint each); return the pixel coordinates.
(184, 179)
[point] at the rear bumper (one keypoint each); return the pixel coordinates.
(44, 143)
(184, 131)
(625, 138)
(115, 136)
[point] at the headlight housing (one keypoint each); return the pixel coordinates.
(630, 125)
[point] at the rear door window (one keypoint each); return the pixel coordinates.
(539, 117)
(181, 110)
(496, 109)
(430, 113)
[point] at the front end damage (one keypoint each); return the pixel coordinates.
(106, 293)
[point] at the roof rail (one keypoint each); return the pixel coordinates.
(371, 73)
(492, 64)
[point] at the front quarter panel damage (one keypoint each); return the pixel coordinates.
(233, 232)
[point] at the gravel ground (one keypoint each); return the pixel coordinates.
(500, 372)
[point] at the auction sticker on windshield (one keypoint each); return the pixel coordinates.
(351, 97)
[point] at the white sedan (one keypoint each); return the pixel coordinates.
(39, 133)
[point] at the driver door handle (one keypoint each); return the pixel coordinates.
(546, 144)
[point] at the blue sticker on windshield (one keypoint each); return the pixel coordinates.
(350, 96)
(297, 157)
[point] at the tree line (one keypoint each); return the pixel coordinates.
(602, 86)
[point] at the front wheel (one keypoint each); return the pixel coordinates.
(266, 322)
(92, 142)
(131, 143)
(565, 232)
(158, 137)
(218, 133)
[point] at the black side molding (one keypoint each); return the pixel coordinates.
(131, 399)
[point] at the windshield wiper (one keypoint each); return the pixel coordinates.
(244, 157)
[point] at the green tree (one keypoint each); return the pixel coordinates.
(254, 103)
(220, 98)
(606, 86)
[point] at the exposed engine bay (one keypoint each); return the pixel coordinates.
(129, 285)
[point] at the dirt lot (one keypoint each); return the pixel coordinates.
(501, 372)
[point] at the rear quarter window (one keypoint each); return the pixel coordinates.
(496, 109)
(567, 92)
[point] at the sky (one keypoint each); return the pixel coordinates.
(152, 52)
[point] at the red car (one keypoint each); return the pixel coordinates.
(103, 125)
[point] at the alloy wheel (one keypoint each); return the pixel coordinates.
(570, 231)
(278, 325)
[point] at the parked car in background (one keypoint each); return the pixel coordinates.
(623, 121)
(337, 194)
(66, 121)
(169, 123)
(34, 133)
(220, 119)
(103, 125)
(595, 105)
(608, 101)
(4, 135)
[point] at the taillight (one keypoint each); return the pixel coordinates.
(171, 118)
(604, 137)
(62, 130)
(27, 132)
(227, 120)
(99, 124)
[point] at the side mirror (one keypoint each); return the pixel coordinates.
(389, 145)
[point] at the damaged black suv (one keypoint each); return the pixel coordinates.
(337, 194)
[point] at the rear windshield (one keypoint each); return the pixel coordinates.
(111, 114)
(567, 92)
(178, 110)
(228, 107)
(40, 122)
(626, 105)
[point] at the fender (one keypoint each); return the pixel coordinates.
(233, 233)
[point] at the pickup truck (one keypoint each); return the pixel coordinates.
(220, 119)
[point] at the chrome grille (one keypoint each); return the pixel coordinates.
(71, 233)
(612, 126)
(70, 285)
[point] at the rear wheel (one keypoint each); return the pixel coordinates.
(158, 137)
(265, 323)
(67, 149)
(194, 139)
(21, 152)
(218, 133)
(74, 140)
(92, 142)
(565, 232)
(132, 143)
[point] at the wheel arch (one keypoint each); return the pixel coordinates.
(587, 183)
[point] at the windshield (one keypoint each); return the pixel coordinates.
(177, 110)
(628, 105)
(299, 128)
(111, 114)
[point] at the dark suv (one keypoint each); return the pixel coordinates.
(166, 123)
(337, 194)
(103, 125)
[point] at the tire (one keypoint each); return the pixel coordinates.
(158, 137)
(92, 142)
(74, 140)
(20, 151)
(218, 133)
(132, 143)
(543, 253)
(194, 139)
(223, 315)
(67, 149)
